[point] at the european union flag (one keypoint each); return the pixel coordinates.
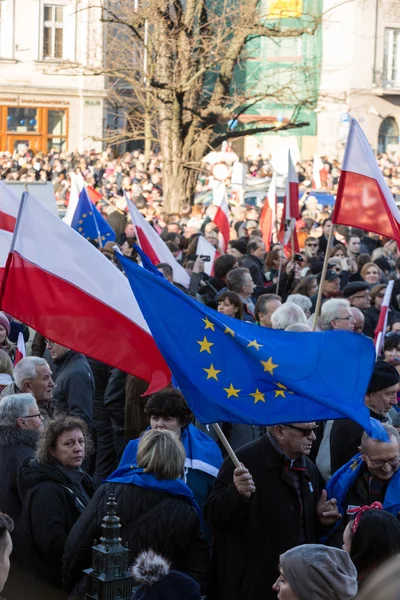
(89, 222)
(233, 371)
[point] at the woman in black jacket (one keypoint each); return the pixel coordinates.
(56, 491)
(156, 510)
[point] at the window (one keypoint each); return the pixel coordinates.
(56, 129)
(391, 69)
(22, 120)
(53, 29)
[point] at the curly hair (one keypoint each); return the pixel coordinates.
(55, 428)
(169, 403)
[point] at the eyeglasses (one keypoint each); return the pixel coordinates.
(362, 296)
(39, 415)
(380, 295)
(392, 333)
(312, 245)
(349, 318)
(378, 464)
(305, 431)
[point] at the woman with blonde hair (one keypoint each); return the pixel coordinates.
(371, 273)
(6, 370)
(156, 508)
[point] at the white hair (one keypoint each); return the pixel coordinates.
(303, 301)
(288, 314)
(330, 311)
(14, 407)
(298, 327)
(26, 369)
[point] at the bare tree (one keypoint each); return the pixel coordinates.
(178, 73)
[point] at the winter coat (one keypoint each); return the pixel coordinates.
(15, 445)
(257, 272)
(52, 504)
(74, 386)
(250, 534)
(173, 531)
(372, 317)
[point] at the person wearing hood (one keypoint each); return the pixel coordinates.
(20, 425)
(56, 491)
(316, 572)
(381, 396)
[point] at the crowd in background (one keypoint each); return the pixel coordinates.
(313, 511)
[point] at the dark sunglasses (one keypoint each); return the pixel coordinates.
(305, 431)
(312, 245)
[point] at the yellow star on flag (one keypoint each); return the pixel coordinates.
(80, 222)
(80, 229)
(90, 213)
(205, 345)
(268, 365)
(212, 372)
(84, 216)
(254, 344)
(258, 396)
(280, 393)
(229, 331)
(283, 387)
(231, 391)
(208, 323)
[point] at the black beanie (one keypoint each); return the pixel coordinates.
(384, 376)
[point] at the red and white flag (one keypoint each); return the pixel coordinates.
(221, 218)
(363, 199)
(9, 205)
(155, 248)
(268, 214)
(63, 287)
(20, 351)
(290, 209)
(318, 167)
(383, 317)
(77, 185)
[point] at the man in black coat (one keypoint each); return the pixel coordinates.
(255, 262)
(259, 511)
(381, 396)
(74, 384)
(20, 424)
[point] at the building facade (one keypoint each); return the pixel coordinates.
(49, 95)
(360, 74)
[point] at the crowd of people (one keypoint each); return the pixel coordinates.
(311, 513)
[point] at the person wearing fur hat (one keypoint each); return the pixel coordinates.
(157, 581)
(316, 572)
(381, 396)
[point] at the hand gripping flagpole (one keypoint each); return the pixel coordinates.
(323, 275)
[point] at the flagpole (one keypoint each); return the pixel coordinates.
(227, 445)
(323, 275)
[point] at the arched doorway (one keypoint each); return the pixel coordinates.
(388, 134)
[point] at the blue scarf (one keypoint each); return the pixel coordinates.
(341, 481)
(130, 474)
(202, 452)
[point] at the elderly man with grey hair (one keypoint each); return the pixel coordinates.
(20, 425)
(32, 375)
(303, 301)
(286, 315)
(336, 314)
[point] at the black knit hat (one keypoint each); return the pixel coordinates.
(354, 288)
(384, 376)
(157, 582)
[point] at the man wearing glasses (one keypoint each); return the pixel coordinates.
(273, 502)
(358, 294)
(373, 475)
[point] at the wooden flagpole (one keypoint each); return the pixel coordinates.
(226, 445)
(323, 275)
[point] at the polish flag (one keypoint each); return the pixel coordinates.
(290, 210)
(5, 244)
(363, 199)
(9, 205)
(221, 218)
(268, 214)
(155, 248)
(383, 317)
(318, 167)
(20, 351)
(63, 287)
